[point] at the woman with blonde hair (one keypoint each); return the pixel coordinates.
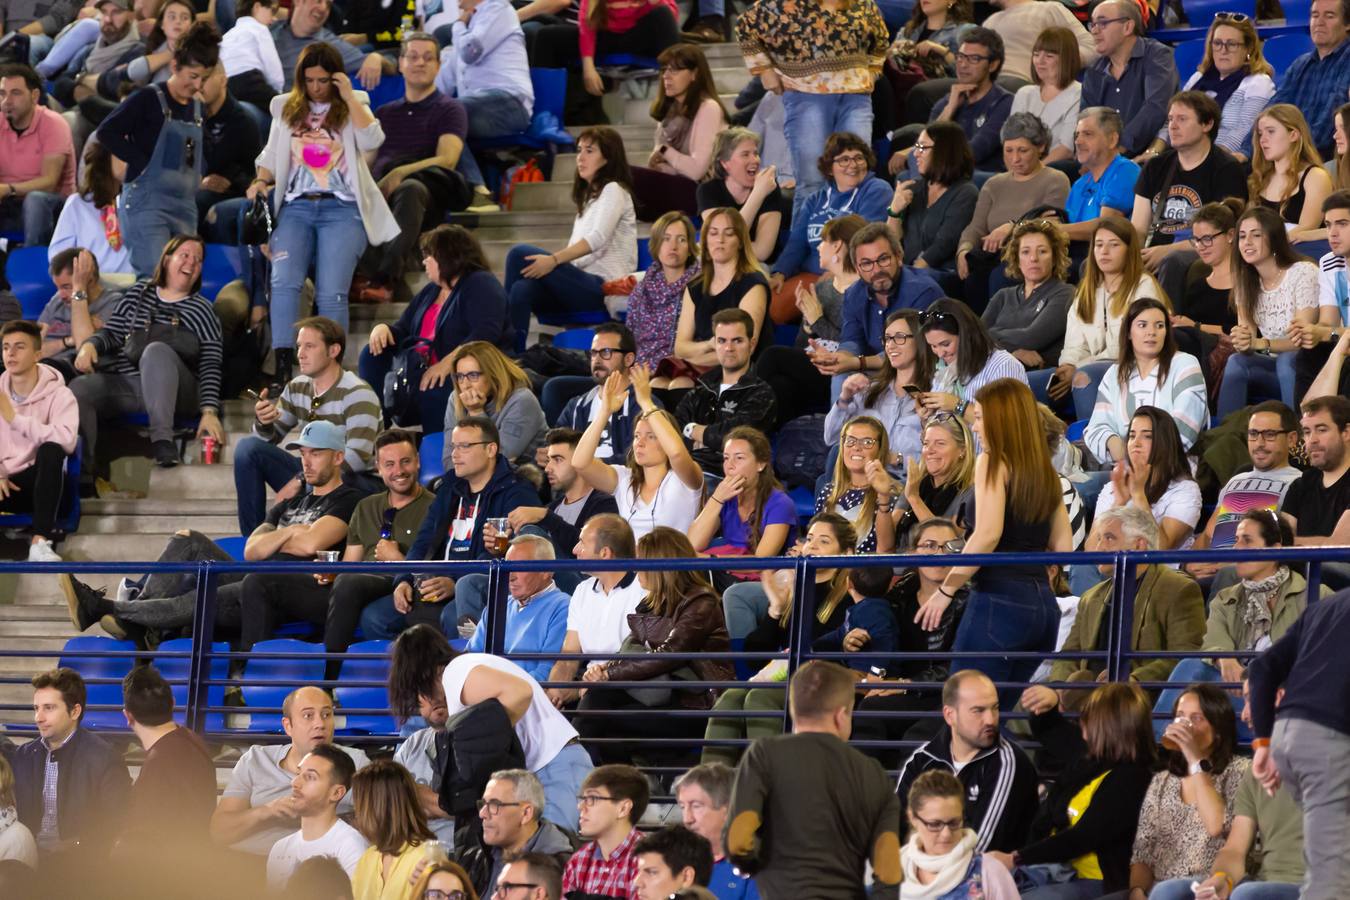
(1235, 73)
(659, 483)
(1027, 318)
(938, 480)
(389, 814)
(739, 179)
(680, 614)
(1017, 508)
(860, 489)
(729, 277)
(444, 881)
(688, 117)
(1287, 174)
(489, 383)
(1113, 278)
(759, 612)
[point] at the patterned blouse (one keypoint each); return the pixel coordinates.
(654, 312)
(1171, 839)
(814, 50)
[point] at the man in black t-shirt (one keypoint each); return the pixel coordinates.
(1174, 185)
(296, 529)
(1316, 504)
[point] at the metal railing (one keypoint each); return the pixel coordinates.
(1117, 654)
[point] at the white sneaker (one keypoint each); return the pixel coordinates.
(42, 552)
(127, 590)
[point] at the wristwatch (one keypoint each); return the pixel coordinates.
(689, 431)
(1334, 335)
(1203, 765)
(79, 296)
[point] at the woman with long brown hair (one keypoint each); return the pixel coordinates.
(688, 117)
(1340, 166)
(89, 218)
(680, 614)
(389, 814)
(327, 205)
(748, 508)
(603, 245)
(1017, 508)
(488, 383)
(1155, 476)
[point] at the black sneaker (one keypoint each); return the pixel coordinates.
(165, 454)
(84, 603)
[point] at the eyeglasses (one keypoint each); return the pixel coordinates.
(1230, 17)
(1227, 45)
(438, 894)
(494, 807)
(851, 159)
(883, 261)
(921, 149)
(605, 353)
(972, 58)
(942, 321)
(1205, 240)
(465, 445)
(506, 887)
(899, 339)
(952, 825)
(589, 800)
(955, 545)
(867, 443)
(1268, 434)
(470, 377)
(1099, 24)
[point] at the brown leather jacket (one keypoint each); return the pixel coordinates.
(696, 626)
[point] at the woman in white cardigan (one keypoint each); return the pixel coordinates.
(1054, 93)
(603, 245)
(318, 156)
(1149, 371)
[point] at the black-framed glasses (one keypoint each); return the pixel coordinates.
(471, 377)
(921, 149)
(506, 887)
(939, 320)
(899, 339)
(1231, 17)
(494, 807)
(438, 894)
(589, 800)
(882, 261)
(972, 57)
(1264, 434)
(465, 445)
(1227, 45)
(1099, 24)
(1205, 240)
(939, 825)
(955, 545)
(605, 353)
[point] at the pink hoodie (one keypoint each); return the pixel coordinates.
(49, 413)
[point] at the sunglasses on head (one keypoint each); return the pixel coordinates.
(1231, 17)
(942, 321)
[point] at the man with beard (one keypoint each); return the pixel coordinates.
(324, 779)
(613, 349)
(37, 157)
(1316, 503)
(999, 777)
(574, 501)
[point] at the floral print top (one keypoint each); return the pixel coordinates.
(654, 312)
(815, 50)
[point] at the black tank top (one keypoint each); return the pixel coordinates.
(1019, 536)
(1292, 209)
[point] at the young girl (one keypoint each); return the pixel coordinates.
(603, 245)
(1287, 174)
(249, 55)
(748, 508)
(654, 304)
(1153, 475)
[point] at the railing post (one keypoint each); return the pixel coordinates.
(495, 610)
(799, 635)
(1122, 616)
(1314, 581)
(203, 634)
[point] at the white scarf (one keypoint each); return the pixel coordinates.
(950, 867)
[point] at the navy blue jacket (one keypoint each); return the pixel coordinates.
(503, 493)
(619, 433)
(92, 788)
(873, 615)
(475, 311)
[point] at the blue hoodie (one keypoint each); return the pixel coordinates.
(869, 200)
(504, 492)
(875, 616)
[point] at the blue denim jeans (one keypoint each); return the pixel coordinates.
(566, 289)
(494, 114)
(1007, 613)
(1085, 398)
(1187, 672)
(808, 120)
(745, 606)
(331, 229)
(36, 214)
(1248, 375)
(259, 464)
(1180, 889)
(381, 621)
(561, 778)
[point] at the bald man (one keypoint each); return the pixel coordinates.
(257, 809)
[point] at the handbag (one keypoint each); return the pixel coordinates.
(180, 339)
(404, 381)
(256, 229)
(655, 696)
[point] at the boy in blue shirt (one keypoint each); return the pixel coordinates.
(869, 625)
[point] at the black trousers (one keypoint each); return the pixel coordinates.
(893, 728)
(266, 599)
(800, 388)
(1306, 366)
(351, 594)
(646, 722)
(39, 489)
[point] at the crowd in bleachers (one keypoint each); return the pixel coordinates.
(941, 280)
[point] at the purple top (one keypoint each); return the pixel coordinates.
(411, 130)
(778, 510)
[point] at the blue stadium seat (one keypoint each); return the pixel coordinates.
(1201, 13)
(68, 516)
(785, 335)
(545, 131)
(220, 266)
(107, 667)
(176, 669)
(26, 270)
(1188, 55)
(627, 61)
(805, 501)
(233, 545)
(304, 668)
(433, 445)
(366, 697)
(574, 339)
(389, 89)
(1075, 430)
(583, 317)
(644, 254)
(1281, 51)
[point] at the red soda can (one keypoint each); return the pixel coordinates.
(210, 447)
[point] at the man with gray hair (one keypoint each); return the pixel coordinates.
(704, 796)
(509, 826)
(536, 610)
(1169, 614)
(1106, 187)
(1133, 74)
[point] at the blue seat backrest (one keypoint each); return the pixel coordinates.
(302, 668)
(26, 270)
(433, 445)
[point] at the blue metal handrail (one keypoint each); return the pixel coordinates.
(1117, 654)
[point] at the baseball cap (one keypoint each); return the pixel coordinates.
(321, 435)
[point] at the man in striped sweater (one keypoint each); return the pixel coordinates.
(323, 391)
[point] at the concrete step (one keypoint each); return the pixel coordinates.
(20, 630)
(39, 594)
(638, 110)
(543, 196)
(158, 506)
(143, 524)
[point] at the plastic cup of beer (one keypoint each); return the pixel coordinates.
(327, 557)
(501, 537)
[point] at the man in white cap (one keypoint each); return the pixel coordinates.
(297, 528)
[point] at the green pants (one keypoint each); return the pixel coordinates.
(750, 700)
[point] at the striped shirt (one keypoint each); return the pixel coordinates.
(1001, 364)
(350, 403)
(140, 305)
(1333, 289)
(1182, 395)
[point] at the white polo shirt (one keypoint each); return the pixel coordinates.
(601, 620)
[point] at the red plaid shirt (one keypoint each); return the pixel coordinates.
(587, 871)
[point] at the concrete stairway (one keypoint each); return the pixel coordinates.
(33, 614)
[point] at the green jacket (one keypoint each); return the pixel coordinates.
(1169, 614)
(1225, 613)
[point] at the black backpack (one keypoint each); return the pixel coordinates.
(799, 458)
